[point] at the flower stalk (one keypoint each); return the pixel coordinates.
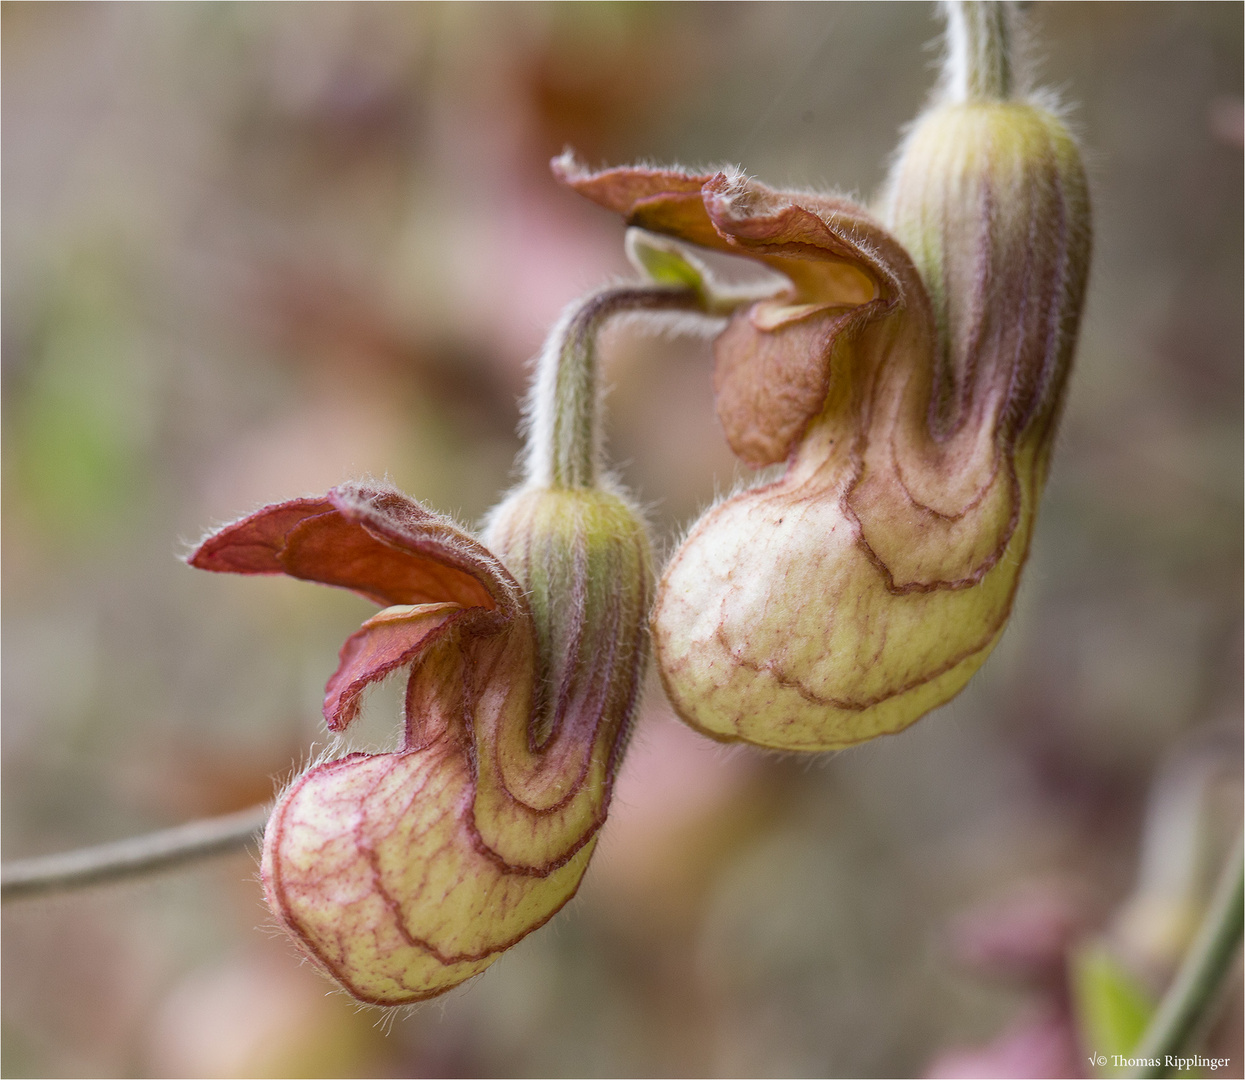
(981, 52)
(565, 440)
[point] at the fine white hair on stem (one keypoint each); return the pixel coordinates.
(539, 409)
(986, 58)
(562, 414)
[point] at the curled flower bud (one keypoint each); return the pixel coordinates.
(402, 874)
(910, 376)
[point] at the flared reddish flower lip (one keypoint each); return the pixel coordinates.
(386, 548)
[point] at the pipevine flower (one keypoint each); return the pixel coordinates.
(910, 378)
(402, 874)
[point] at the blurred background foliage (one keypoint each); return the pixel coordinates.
(252, 250)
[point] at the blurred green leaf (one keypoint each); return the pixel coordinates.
(1112, 1007)
(81, 418)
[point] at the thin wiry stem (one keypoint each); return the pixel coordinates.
(133, 857)
(1197, 983)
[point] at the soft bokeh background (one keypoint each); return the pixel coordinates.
(254, 250)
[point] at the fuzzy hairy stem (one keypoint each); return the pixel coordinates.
(565, 441)
(980, 62)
